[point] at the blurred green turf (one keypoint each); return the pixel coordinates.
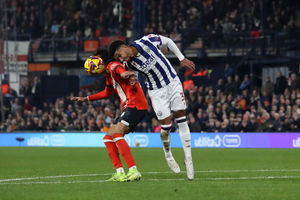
(210, 164)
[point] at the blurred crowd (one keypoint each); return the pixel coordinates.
(69, 18)
(94, 18)
(217, 16)
(233, 104)
(27, 114)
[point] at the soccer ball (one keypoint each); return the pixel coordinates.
(94, 65)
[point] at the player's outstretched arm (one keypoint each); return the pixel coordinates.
(80, 99)
(107, 92)
(173, 47)
(188, 64)
(131, 75)
(126, 74)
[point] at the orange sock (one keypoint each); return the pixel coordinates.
(113, 151)
(124, 149)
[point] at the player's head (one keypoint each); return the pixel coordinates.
(120, 51)
(103, 54)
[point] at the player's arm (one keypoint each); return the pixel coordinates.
(107, 92)
(165, 41)
(125, 74)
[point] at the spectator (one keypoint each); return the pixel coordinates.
(236, 84)
(280, 84)
(36, 92)
(220, 85)
(229, 86)
(246, 83)
(252, 125)
(55, 28)
(188, 85)
(295, 82)
(194, 126)
(228, 71)
(268, 86)
(15, 107)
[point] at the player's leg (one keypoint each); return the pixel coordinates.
(166, 126)
(113, 153)
(178, 105)
(161, 107)
(185, 137)
(117, 132)
(127, 122)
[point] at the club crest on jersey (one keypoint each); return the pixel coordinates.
(159, 113)
(113, 66)
(156, 37)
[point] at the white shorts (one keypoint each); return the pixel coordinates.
(167, 99)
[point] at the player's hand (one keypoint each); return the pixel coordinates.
(188, 64)
(80, 99)
(127, 74)
(133, 80)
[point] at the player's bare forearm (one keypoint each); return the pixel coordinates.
(127, 74)
(188, 64)
(80, 99)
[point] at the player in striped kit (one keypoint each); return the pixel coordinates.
(164, 88)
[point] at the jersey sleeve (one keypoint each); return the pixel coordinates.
(165, 41)
(107, 92)
(108, 80)
(117, 68)
(154, 39)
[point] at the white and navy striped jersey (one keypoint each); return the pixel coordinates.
(151, 62)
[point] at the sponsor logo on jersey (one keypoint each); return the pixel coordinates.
(148, 62)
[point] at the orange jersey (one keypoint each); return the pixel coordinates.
(130, 95)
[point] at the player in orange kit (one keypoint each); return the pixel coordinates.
(134, 106)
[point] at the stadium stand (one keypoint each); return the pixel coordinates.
(61, 18)
(231, 103)
(210, 109)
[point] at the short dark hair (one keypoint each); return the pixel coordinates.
(114, 46)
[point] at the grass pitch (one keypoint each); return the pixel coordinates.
(78, 173)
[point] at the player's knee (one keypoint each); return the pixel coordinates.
(166, 121)
(109, 133)
(112, 130)
(118, 128)
(179, 113)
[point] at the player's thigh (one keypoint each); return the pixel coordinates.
(160, 102)
(131, 117)
(179, 113)
(118, 128)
